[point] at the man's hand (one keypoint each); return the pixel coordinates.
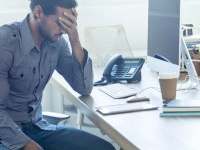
(69, 23)
(69, 26)
(32, 146)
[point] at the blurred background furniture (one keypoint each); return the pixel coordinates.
(103, 42)
(187, 29)
(55, 118)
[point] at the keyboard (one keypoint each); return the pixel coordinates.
(118, 90)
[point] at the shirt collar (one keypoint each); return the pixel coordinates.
(27, 39)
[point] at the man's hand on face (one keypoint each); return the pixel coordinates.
(68, 22)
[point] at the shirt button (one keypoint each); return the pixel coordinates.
(41, 76)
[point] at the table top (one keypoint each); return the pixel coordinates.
(139, 130)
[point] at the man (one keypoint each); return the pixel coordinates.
(29, 53)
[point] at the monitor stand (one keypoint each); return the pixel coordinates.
(193, 80)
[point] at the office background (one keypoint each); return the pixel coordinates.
(132, 14)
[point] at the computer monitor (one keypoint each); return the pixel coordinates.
(165, 38)
(164, 34)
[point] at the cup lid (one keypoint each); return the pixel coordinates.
(167, 75)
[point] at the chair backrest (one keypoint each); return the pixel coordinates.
(103, 42)
(54, 118)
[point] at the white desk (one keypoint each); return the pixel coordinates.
(139, 130)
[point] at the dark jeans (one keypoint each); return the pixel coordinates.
(65, 138)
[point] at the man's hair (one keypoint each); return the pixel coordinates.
(50, 6)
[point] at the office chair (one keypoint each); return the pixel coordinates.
(54, 118)
(102, 42)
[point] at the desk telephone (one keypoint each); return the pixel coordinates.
(118, 69)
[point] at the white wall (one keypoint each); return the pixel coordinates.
(133, 14)
(190, 13)
(13, 10)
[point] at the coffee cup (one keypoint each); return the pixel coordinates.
(168, 84)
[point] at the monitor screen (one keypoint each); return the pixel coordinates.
(164, 32)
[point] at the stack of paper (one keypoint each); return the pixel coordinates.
(181, 108)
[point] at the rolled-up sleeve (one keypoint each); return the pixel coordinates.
(79, 76)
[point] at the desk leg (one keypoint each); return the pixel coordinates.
(80, 119)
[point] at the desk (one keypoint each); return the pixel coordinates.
(139, 130)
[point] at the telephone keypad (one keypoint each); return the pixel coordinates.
(126, 69)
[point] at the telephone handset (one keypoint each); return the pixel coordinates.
(119, 68)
